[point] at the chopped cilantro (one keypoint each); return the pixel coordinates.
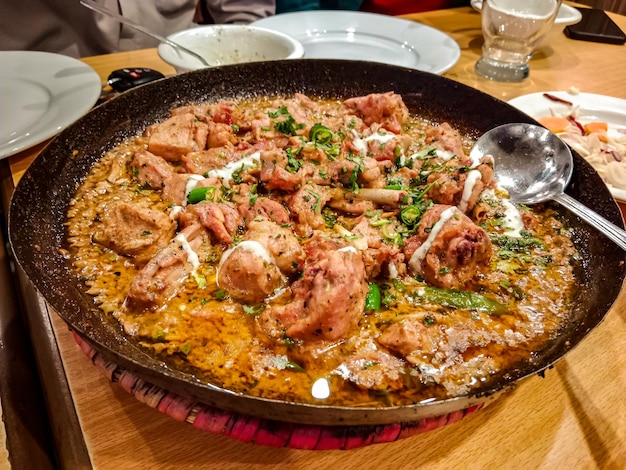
(252, 310)
(288, 126)
(316, 204)
(516, 243)
(253, 194)
(237, 178)
(293, 164)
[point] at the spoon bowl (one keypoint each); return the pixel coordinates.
(533, 165)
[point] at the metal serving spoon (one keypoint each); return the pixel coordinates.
(534, 165)
(95, 7)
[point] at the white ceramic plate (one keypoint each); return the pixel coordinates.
(567, 15)
(40, 94)
(367, 36)
(590, 108)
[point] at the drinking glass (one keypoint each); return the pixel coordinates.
(511, 30)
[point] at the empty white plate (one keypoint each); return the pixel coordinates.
(367, 36)
(40, 94)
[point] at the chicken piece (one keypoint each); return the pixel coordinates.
(368, 173)
(165, 273)
(222, 219)
(448, 249)
(447, 139)
(254, 269)
(378, 253)
(301, 107)
(306, 206)
(455, 185)
(223, 112)
(327, 301)
(205, 160)
(174, 188)
(388, 109)
(378, 144)
(263, 207)
(373, 371)
(135, 231)
(151, 169)
(410, 336)
(274, 173)
(177, 136)
(373, 173)
(280, 242)
(220, 135)
(249, 273)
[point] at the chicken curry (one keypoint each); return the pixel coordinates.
(340, 252)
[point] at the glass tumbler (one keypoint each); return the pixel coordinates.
(511, 30)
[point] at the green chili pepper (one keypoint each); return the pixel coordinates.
(293, 366)
(159, 335)
(320, 134)
(410, 215)
(197, 195)
(379, 222)
(200, 280)
(373, 297)
(461, 299)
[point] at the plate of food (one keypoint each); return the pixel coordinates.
(367, 36)
(314, 250)
(593, 125)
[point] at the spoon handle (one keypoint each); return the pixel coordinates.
(616, 234)
(122, 19)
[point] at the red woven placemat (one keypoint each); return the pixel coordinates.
(263, 431)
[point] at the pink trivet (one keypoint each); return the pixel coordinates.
(263, 431)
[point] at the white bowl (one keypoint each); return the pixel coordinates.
(229, 44)
(566, 16)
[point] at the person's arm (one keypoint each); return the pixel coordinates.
(239, 11)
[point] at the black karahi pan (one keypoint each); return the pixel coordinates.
(39, 204)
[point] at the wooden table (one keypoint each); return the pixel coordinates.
(575, 417)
